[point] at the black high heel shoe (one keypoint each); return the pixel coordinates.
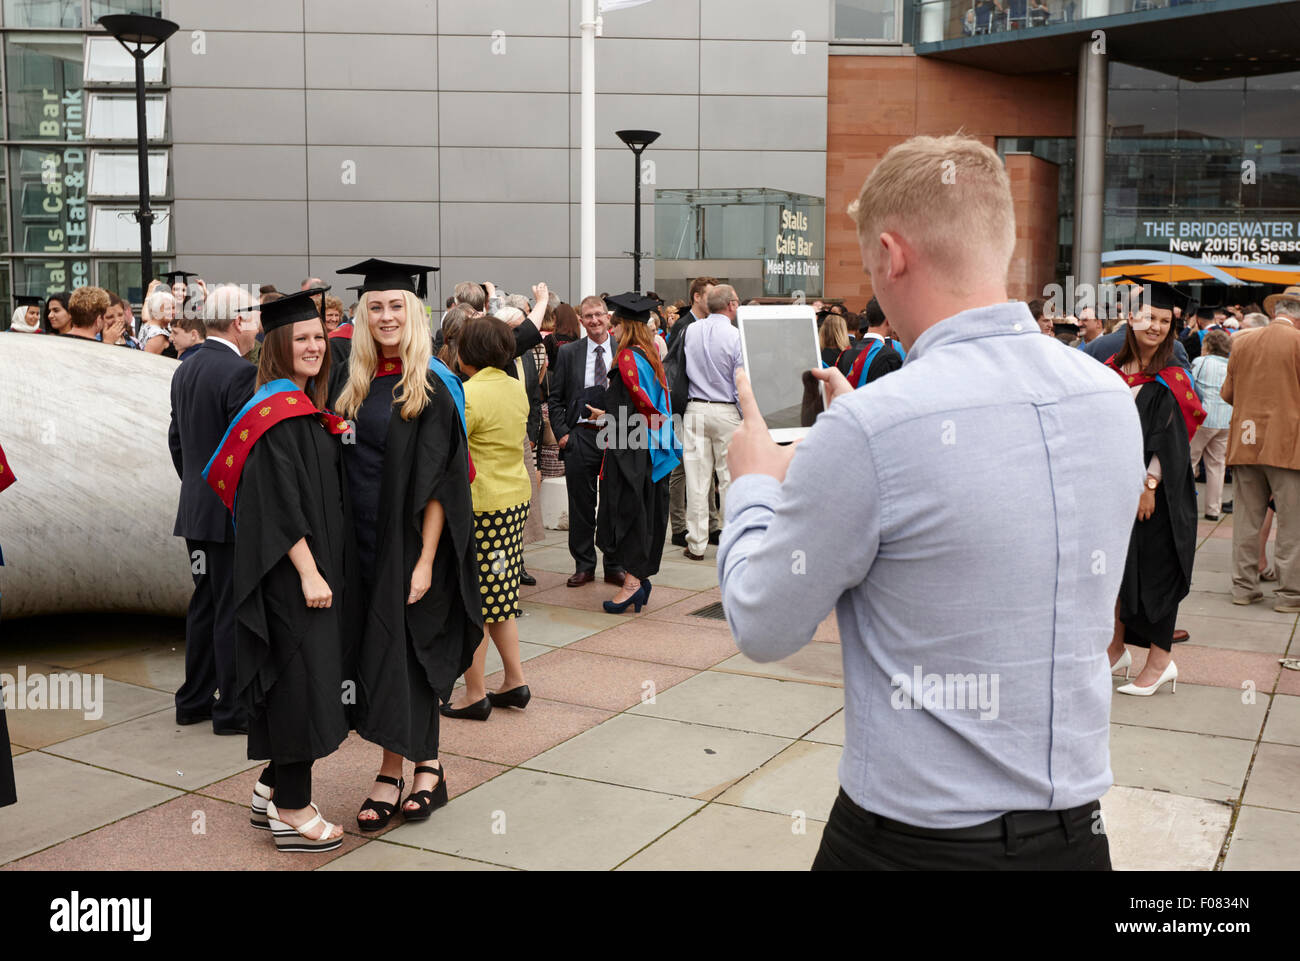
(429, 801)
(384, 809)
(637, 600)
(478, 711)
(515, 697)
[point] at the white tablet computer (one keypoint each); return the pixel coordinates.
(778, 344)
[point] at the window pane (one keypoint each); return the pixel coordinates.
(150, 8)
(123, 276)
(111, 117)
(1141, 113)
(49, 199)
(865, 20)
(108, 62)
(46, 275)
(114, 229)
(117, 174)
(1212, 114)
(44, 94)
(42, 13)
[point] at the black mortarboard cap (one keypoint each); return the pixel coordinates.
(1158, 294)
(172, 277)
(291, 308)
(27, 300)
(386, 275)
(632, 306)
(1064, 327)
(1205, 313)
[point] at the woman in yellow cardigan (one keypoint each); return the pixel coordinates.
(496, 420)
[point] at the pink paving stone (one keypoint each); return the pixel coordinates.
(511, 736)
(665, 642)
(1288, 682)
(545, 581)
(593, 680)
(590, 597)
(1217, 666)
(680, 612)
(341, 782)
(163, 839)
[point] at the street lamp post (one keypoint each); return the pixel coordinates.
(638, 140)
(141, 36)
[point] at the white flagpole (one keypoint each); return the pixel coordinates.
(587, 220)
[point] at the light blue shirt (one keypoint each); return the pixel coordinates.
(1208, 373)
(997, 477)
(712, 358)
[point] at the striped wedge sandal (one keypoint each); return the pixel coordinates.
(313, 837)
(261, 797)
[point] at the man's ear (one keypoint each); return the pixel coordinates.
(894, 255)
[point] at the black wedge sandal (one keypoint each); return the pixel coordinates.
(429, 801)
(384, 809)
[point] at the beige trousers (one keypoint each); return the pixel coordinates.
(1213, 443)
(1254, 485)
(708, 429)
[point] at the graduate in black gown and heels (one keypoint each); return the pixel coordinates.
(8, 791)
(408, 475)
(279, 468)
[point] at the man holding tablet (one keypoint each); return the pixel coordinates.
(973, 631)
(712, 358)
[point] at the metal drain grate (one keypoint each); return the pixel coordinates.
(712, 611)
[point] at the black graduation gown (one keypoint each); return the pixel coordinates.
(8, 791)
(291, 660)
(632, 518)
(1158, 571)
(410, 655)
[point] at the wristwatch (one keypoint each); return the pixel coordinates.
(1152, 483)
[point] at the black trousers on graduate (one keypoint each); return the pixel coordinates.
(210, 640)
(857, 840)
(291, 782)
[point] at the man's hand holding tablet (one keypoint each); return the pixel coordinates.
(752, 449)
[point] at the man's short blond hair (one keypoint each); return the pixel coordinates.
(950, 197)
(86, 305)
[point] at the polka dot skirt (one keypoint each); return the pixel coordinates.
(499, 549)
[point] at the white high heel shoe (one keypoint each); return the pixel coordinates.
(1125, 661)
(1170, 673)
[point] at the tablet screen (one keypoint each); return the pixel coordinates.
(779, 343)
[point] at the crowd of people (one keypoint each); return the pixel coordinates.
(358, 486)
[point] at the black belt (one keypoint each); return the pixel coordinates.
(1010, 826)
(701, 400)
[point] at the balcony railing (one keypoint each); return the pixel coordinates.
(938, 20)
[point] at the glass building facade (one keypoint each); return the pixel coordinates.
(70, 161)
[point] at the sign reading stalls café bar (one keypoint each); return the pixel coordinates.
(794, 261)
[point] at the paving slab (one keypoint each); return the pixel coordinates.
(1220, 605)
(1195, 765)
(816, 662)
(510, 736)
(190, 833)
(58, 799)
(721, 838)
(1215, 666)
(1234, 634)
(688, 575)
(1264, 840)
(1198, 708)
(539, 821)
(595, 680)
(1275, 778)
(557, 626)
(156, 748)
(665, 642)
(1284, 721)
(830, 731)
(591, 597)
(120, 702)
(802, 779)
(744, 703)
(160, 668)
(660, 755)
(383, 856)
(1158, 831)
(545, 581)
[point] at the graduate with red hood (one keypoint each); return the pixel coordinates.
(1158, 571)
(279, 469)
(8, 793)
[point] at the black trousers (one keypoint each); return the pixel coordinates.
(581, 475)
(210, 638)
(292, 784)
(857, 840)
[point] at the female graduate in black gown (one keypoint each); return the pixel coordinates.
(408, 484)
(1158, 571)
(641, 450)
(8, 792)
(280, 467)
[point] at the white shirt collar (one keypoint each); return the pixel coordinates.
(872, 334)
(221, 340)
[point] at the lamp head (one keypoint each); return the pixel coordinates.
(134, 28)
(638, 140)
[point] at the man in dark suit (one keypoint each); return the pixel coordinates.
(576, 406)
(207, 391)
